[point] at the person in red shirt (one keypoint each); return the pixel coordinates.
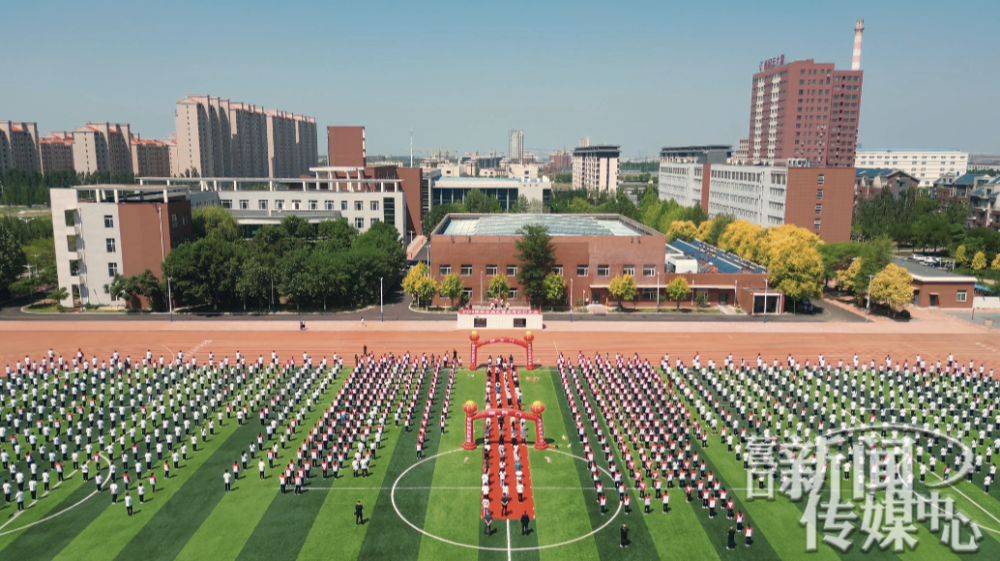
(749, 535)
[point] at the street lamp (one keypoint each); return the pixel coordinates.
(868, 297)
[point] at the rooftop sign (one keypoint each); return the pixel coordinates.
(772, 63)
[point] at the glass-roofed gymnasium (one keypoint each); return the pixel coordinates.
(557, 224)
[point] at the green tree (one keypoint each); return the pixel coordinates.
(478, 203)
(294, 275)
(678, 290)
(59, 294)
(452, 287)
(383, 239)
(498, 287)
(216, 222)
(131, 288)
(537, 256)
(337, 235)
(12, 259)
(931, 231)
(554, 287)
(296, 227)
(623, 288)
(202, 271)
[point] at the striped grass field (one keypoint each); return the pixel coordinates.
(190, 517)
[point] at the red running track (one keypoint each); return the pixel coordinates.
(509, 385)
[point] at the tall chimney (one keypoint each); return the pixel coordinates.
(859, 28)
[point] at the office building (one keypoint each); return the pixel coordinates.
(106, 230)
(219, 138)
(927, 165)
(346, 146)
(506, 189)
(103, 147)
(56, 150)
(596, 167)
(805, 110)
(19, 147)
(820, 200)
(517, 146)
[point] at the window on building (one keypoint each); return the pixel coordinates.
(511, 270)
(557, 269)
(816, 223)
(649, 270)
(374, 220)
(819, 209)
(109, 221)
(491, 270)
(313, 205)
(359, 223)
(227, 203)
(603, 270)
(374, 205)
(343, 205)
(466, 294)
(513, 294)
(582, 270)
(330, 205)
(466, 270)
(279, 204)
(110, 243)
(649, 294)
(444, 270)
(960, 296)
(262, 204)
(112, 269)
(628, 270)
(479, 323)
(820, 179)
(359, 205)
(296, 205)
(244, 204)
(173, 220)
(819, 194)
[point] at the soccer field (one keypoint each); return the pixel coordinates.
(429, 509)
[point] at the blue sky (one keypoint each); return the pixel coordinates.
(639, 74)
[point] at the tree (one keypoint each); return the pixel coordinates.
(383, 239)
(743, 239)
(478, 203)
(678, 290)
(131, 288)
(796, 268)
(296, 227)
(202, 271)
(554, 287)
(498, 287)
(961, 256)
(337, 235)
(294, 275)
(683, 229)
(520, 206)
(59, 294)
(892, 287)
(719, 225)
(452, 287)
(979, 261)
(995, 265)
(703, 230)
(931, 230)
(623, 288)
(426, 289)
(216, 222)
(411, 282)
(537, 256)
(12, 259)
(847, 280)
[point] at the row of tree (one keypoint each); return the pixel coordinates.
(27, 255)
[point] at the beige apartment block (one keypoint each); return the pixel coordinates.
(596, 167)
(56, 150)
(172, 150)
(219, 138)
(103, 147)
(150, 158)
(19, 147)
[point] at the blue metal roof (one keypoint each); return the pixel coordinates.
(983, 288)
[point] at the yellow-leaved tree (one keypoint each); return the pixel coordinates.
(678, 290)
(795, 267)
(892, 287)
(683, 229)
(996, 262)
(847, 279)
(703, 230)
(419, 284)
(961, 256)
(743, 239)
(623, 288)
(979, 261)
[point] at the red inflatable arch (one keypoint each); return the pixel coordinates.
(471, 416)
(474, 337)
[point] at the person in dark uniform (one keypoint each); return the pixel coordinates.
(488, 519)
(624, 533)
(359, 516)
(524, 523)
(731, 540)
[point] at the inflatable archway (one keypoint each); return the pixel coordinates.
(471, 416)
(528, 338)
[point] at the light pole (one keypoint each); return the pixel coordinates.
(868, 297)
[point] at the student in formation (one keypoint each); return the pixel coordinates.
(128, 504)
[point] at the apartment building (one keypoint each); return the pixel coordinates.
(19, 147)
(927, 165)
(219, 138)
(516, 154)
(596, 167)
(56, 150)
(103, 147)
(150, 157)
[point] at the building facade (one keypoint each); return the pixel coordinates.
(454, 189)
(804, 110)
(19, 147)
(596, 167)
(219, 138)
(56, 150)
(560, 161)
(926, 165)
(870, 182)
(150, 157)
(820, 200)
(107, 230)
(517, 146)
(103, 147)
(346, 146)
(936, 288)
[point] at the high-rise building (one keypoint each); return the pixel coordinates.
(103, 147)
(56, 150)
(150, 158)
(220, 138)
(517, 146)
(596, 167)
(346, 146)
(805, 111)
(19, 147)
(560, 160)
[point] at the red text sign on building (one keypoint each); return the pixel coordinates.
(500, 312)
(772, 63)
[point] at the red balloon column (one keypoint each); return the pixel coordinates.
(470, 409)
(473, 364)
(529, 337)
(538, 408)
